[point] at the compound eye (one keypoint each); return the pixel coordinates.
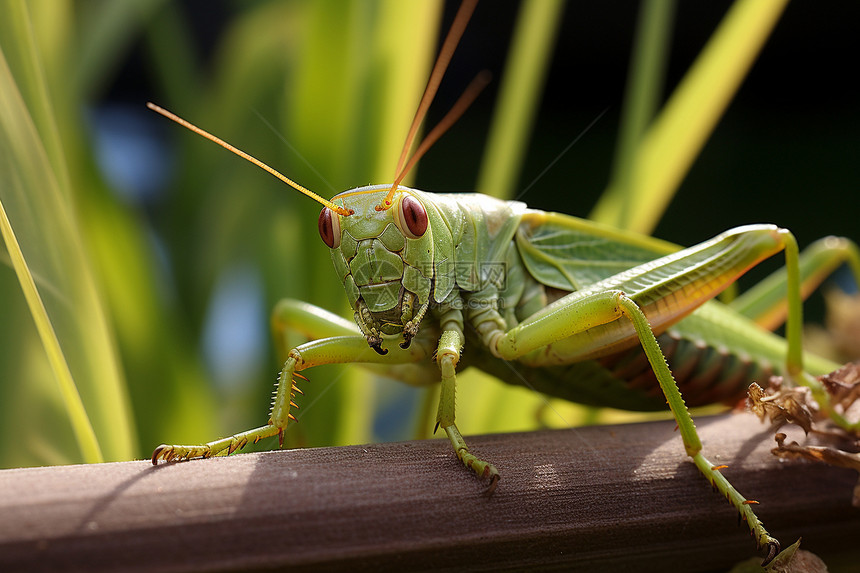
(413, 217)
(329, 225)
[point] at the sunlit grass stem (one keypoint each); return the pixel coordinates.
(81, 426)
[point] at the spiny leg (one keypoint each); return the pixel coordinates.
(279, 417)
(689, 436)
(447, 355)
(334, 350)
(295, 321)
(313, 322)
(295, 317)
(222, 447)
(578, 314)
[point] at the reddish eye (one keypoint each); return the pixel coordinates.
(329, 225)
(413, 216)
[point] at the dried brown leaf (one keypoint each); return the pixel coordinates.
(828, 455)
(782, 405)
(843, 385)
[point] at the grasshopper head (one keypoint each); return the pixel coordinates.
(381, 237)
(384, 258)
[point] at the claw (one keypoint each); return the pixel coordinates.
(494, 481)
(375, 342)
(407, 339)
(773, 550)
(158, 453)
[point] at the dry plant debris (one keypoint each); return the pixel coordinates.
(785, 405)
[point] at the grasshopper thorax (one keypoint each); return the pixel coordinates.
(384, 257)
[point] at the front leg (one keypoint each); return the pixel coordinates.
(334, 350)
(447, 355)
(278, 419)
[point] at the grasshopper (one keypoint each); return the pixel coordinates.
(576, 310)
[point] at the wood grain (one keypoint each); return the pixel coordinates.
(600, 498)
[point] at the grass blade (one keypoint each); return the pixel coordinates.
(84, 433)
(678, 134)
(645, 82)
(36, 193)
(522, 85)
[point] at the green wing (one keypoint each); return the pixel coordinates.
(569, 253)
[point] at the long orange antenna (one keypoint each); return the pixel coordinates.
(254, 160)
(449, 46)
(457, 110)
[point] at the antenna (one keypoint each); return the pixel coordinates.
(247, 157)
(457, 110)
(449, 46)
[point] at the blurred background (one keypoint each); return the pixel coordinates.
(160, 256)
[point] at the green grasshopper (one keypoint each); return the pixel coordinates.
(574, 309)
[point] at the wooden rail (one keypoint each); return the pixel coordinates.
(600, 498)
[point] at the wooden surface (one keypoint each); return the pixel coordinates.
(601, 498)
